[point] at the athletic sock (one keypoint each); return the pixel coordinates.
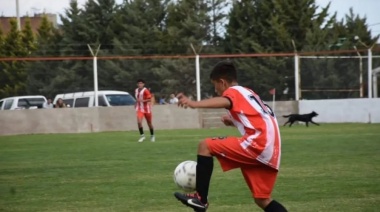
(205, 166)
(151, 131)
(141, 131)
(275, 206)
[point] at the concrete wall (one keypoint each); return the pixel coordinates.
(171, 117)
(284, 108)
(210, 118)
(80, 120)
(343, 110)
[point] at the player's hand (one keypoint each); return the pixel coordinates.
(226, 119)
(184, 101)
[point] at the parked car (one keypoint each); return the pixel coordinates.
(22, 102)
(106, 98)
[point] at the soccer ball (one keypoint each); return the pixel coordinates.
(184, 175)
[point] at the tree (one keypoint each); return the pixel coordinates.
(99, 17)
(41, 73)
(14, 75)
(28, 38)
(248, 20)
(268, 27)
(80, 28)
(188, 22)
(141, 25)
(339, 73)
(213, 43)
(3, 80)
(1, 37)
(218, 16)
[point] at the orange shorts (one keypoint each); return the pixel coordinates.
(259, 177)
(148, 116)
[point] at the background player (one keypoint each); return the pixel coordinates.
(257, 153)
(143, 109)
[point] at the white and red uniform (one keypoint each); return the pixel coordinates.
(258, 151)
(143, 109)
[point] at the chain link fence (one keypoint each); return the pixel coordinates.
(320, 76)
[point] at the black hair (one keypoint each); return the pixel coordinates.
(224, 70)
(141, 80)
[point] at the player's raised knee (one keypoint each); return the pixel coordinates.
(262, 202)
(203, 148)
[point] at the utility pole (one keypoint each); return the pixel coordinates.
(18, 16)
(369, 50)
(297, 75)
(361, 72)
(95, 69)
(197, 72)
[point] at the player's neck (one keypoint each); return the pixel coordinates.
(233, 84)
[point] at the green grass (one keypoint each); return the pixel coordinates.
(326, 168)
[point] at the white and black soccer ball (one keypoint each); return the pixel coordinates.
(184, 175)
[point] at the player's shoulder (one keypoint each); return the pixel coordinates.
(146, 90)
(237, 89)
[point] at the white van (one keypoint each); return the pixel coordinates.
(105, 99)
(22, 102)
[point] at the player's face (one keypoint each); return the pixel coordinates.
(220, 86)
(140, 84)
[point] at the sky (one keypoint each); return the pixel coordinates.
(368, 8)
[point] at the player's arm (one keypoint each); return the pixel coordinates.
(226, 119)
(147, 96)
(146, 100)
(216, 102)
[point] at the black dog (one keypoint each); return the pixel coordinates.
(301, 117)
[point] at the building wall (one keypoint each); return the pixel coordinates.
(35, 21)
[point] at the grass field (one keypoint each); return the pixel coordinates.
(326, 168)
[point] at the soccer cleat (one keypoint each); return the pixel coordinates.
(192, 200)
(152, 138)
(142, 138)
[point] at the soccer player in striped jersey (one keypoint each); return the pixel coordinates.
(257, 152)
(144, 109)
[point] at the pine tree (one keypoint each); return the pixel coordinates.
(74, 75)
(246, 34)
(213, 43)
(339, 73)
(188, 22)
(99, 17)
(3, 80)
(1, 36)
(28, 38)
(14, 75)
(269, 27)
(41, 73)
(140, 24)
(218, 16)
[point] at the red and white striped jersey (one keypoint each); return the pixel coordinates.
(141, 95)
(257, 124)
